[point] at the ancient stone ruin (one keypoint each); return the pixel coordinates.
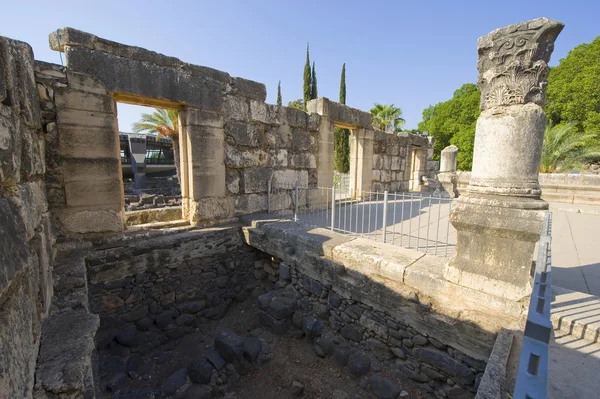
(228, 301)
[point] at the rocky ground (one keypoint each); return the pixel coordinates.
(235, 357)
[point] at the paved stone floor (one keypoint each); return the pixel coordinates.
(576, 247)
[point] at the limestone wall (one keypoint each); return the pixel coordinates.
(392, 160)
(26, 236)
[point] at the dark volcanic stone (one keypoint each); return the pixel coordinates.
(359, 364)
(383, 388)
(164, 320)
(144, 324)
(341, 356)
(276, 326)
(127, 337)
(229, 345)
(312, 327)
(216, 359)
(352, 332)
(200, 371)
(174, 381)
(252, 346)
(198, 392)
(134, 362)
(445, 363)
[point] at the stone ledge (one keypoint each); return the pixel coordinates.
(409, 283)
(144, 216)
(495, 371)
(64, 367)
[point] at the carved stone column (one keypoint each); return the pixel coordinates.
(500, 216)
(447, 176)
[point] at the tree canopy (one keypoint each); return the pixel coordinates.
(573, 93)
(387, 117)
(453, 122)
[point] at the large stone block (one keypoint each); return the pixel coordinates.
(291, 177)
(13, 246)
(83, 82)
(33, 161)
(279, 137)
(87, 142)
(82, 221)
(255, 180)
(82, 100)
(294, 117)
(249, 89)
(85, 169)
(86, 119)
(246, 134)
(199, 117)
(304, 161)
(19, 88)
(206, 158)
(237, 158)
(446, 363)
(235, 107)
(32, 205)
(251, 203)
(17, 343)
(301, 140)
(11, 144)
(145, 79)
(89, 193)
(265, 113)
(211, 209)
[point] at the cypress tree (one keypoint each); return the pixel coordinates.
(279, 101)
(307, 79)
(341, 137)
(313, 83)
(343, 85)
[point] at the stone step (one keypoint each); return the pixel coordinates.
(576, 314)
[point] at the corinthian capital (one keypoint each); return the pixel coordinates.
(513, 63)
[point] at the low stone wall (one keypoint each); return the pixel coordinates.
(153, 282)
(385, 300)
(583, 189)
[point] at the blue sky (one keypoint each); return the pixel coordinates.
(410, 53)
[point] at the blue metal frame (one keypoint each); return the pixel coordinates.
(532, 376)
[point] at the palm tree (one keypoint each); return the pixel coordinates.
(565, 146)
(162, 122)
(387, 118)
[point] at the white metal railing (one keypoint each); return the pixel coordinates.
(532, 374)
(412, 220)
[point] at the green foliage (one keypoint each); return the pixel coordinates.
(453, 122)
(279, 101)
(573, 93)
(313, 83)
(387, 117)
(343, 85)
(298, 104)
(164, 122)
(565, 147)
(341, 144)
(307, 79)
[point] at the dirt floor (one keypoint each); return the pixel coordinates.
(289, 360)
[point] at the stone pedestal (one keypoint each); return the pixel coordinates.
(500, 216)
(447, 176)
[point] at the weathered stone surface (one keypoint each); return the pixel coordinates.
(312, 327)
(198, 392)
(65, 361)
(215, 359)
(446, 363)
(124, 75)
(200, 371)
(255, 179)
(252, 347)
(352, 332)
(516, 73)
(245, 134)
(383, 388)
(13, 248)
(359, 364)
(174, 381)
(229, 345)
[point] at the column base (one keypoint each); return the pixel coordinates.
(495, 244)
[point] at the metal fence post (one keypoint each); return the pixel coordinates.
(332, 207)
(296, 202)
(384, 222)
(269, 196)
